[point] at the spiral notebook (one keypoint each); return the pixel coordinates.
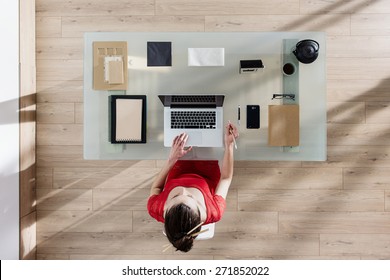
(128, 119)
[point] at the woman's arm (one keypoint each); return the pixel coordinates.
(177, 151)
(227, 162)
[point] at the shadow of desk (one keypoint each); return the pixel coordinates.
(239, 89)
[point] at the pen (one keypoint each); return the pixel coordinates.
(234, 138)
(238, 115)
(235, 143)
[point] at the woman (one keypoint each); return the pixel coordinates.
(187, 194)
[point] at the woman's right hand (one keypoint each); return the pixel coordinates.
(230, 134)
(178, 147)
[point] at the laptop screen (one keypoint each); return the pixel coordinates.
(192, 101)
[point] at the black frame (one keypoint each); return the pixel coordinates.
(113, 99)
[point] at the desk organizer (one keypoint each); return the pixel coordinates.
(109, 65)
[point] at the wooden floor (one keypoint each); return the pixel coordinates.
(338, 209)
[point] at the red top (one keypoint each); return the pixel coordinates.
(202, 175)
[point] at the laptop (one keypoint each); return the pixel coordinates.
(200, 116)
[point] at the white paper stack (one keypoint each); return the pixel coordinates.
(113, 69)
(206, 56)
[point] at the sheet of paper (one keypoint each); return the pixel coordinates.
(206, 56)
(107, 60)
(115, 72)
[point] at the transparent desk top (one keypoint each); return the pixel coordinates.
(273, 48)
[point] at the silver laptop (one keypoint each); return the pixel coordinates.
(200, 116)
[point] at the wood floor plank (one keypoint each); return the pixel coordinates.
(143, 222)
(232, 200)
(103, 243)
(252, 222)
(378, 112)
(55, 200)
(59, 48)
(370, 24)
(355, 156)
(358, 134)
(84, 221)
(358, 90)
(72, 156)
(362, 68)
(60, 257)
(44, 177)
(60, 113)
(59, 134)
(120, 199)
(104, 177)
(287, 178)
(79, 113)
(313, 200)
(267, 23)
(368, 178)
(48, 27)
(335, 222)
(59, 70)
(355, 244)
(358, 46)
(345, 7)
(59, 91)
(346, 112)
(202, 7)
(100, 7)
(387, 200)
(77, 26)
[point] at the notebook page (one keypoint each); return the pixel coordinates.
(128, 120)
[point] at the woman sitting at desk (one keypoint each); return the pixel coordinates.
(187, 194)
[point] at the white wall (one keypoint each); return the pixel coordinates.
(9, 130)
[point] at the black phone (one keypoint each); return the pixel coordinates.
(252, 116)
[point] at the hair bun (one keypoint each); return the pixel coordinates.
(184, 244)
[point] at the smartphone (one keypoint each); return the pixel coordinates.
(252, 116)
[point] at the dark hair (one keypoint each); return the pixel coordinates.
(179, 220)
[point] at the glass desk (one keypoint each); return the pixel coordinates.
(273, 48)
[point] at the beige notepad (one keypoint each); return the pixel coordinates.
(128, 120)
(283, 125)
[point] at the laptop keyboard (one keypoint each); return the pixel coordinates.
(193, 120)
(193, 99)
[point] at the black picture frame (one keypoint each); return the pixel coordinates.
(113, 125)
